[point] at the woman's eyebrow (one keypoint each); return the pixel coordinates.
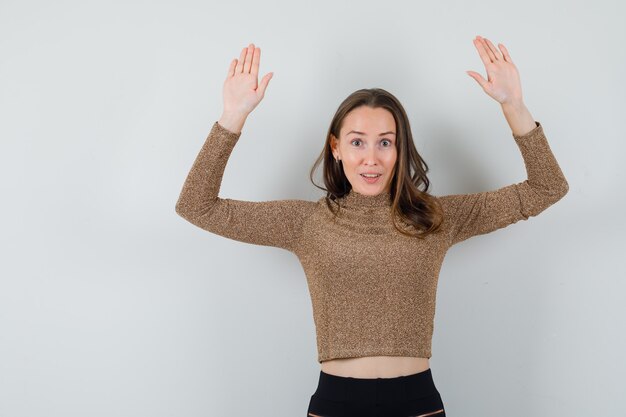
(363, 133)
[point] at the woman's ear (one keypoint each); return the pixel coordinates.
(333, 143)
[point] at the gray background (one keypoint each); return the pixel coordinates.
(112, 305)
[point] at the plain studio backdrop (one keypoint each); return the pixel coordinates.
(113, 305)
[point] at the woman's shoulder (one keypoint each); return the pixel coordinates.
(448, 201)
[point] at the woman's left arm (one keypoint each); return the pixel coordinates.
(474, 214)
(479, 213)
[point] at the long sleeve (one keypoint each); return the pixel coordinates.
(269, 223)
(480, 213)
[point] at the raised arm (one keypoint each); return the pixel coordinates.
(269, 223)
(479, 213)
(475, 214)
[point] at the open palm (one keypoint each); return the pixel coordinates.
(503, 81)
(242, 92)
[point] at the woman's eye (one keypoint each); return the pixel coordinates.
(384, 140)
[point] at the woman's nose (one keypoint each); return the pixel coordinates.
(371, 157)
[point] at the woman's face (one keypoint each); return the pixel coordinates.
(367, 144)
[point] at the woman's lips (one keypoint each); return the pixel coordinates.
(371, 180)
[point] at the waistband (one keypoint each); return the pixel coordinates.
(376, 390)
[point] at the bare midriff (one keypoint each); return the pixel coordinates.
(375, 366)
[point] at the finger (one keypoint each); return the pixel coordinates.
(248, 63)
(492, 58)
(255, 62)
(482, 51)
(493, 49)
(231, 68)
(505, 53)
(242, 56)
(264, 82)
(479, 79)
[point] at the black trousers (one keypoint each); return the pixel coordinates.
(404, 396)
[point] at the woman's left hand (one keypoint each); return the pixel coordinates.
(503, 81)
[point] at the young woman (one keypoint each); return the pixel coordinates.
(372, 247)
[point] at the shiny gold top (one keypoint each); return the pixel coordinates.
(373, 289)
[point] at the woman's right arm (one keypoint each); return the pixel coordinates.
(275, 223)
(270, 223)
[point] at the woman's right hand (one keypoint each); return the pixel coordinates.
(242, 92)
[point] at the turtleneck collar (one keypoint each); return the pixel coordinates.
(354, 199)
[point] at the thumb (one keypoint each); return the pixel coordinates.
(479, 79)
(264, 82)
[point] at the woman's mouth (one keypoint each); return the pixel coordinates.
(371, 178)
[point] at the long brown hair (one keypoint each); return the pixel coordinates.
(414, 207)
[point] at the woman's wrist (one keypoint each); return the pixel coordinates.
(232, 121)
(518, 117)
